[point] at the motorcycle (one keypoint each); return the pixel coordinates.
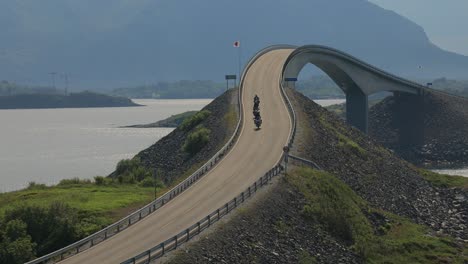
(257, 118)
(258, 122)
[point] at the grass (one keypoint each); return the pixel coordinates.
(175, 120)
(90, 199)
(443, 180)
(231, 117)
(343, 213)
(344, 141)
(194, 120)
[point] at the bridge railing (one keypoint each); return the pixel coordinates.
(136, 216)
(195, 229)
(303, 162)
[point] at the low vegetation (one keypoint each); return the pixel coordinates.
(194, 120)
(40, 219)
(344, 141)
(196, 140)
(173, 90)
(443, 180)
(390, 239)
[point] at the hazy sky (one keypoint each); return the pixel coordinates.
(445, 21)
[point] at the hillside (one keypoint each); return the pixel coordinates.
(185, 40)
(168, 155)
(445, 139)
(367, 206)
(74, 100)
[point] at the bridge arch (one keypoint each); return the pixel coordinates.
(356, 78)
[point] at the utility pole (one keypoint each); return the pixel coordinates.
(66, 83)
(53, 78)
(155, 173)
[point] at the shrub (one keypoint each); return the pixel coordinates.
(131, 171)
(127, 165)
(34, 185)
(196, 140)
(150, 182)
(50, 227)
(194, 120)
(73, 181)
(99, 180)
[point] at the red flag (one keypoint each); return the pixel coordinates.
(236, 44)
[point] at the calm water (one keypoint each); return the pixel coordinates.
(47, 145)
(461, 172)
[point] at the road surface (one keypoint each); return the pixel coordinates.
(254, 154)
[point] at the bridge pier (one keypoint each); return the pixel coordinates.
(357, 110)
(409, 118)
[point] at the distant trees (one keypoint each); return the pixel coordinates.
(9, 88)
(173, 90)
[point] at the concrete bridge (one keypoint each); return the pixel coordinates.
(358, 80)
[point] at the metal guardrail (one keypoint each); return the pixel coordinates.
(136, 216)
(302, 161)
(185, 235)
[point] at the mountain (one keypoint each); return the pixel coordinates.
(115, 43)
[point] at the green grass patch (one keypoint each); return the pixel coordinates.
(444, 180)
(194, 120)
(95, 199)
(343, 213)
(344, 141)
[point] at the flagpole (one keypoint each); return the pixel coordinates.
(240, 54)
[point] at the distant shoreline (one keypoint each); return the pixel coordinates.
(54, 101)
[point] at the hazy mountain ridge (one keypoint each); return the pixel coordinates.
(119, 43)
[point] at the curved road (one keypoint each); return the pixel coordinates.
(254, 153)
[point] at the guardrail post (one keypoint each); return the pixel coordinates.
(235, 201)
(243, 197)
(188, 233)
(255, 186)
(209, 220)
(227, 208)
(175, 242)
(162, 246)
(92, 242)
(139, 216)
(118, 228)
(149, 256)
(129, 220)
(249, 191)
(217, 211)
(199, 228)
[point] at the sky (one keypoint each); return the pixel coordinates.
(445, 21)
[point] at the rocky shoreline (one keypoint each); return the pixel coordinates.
(445, 142)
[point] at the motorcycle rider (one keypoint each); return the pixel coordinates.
(256, 102)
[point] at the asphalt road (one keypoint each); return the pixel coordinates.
(254, 153)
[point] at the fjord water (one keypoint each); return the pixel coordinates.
(47, 145)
